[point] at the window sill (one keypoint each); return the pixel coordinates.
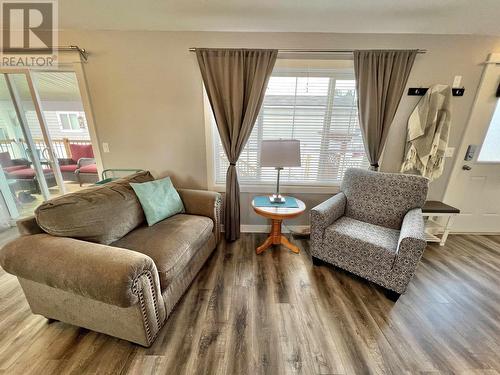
(285, 189)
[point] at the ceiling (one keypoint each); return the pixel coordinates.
(347, 16)
(58, 86)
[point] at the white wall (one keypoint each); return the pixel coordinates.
(146, 93)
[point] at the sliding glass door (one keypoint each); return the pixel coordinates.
(48, 143)
(68, 126)
(29, 169)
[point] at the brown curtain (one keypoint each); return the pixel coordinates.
(381, 78)
(235, 81)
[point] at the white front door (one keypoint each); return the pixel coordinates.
(474, 185)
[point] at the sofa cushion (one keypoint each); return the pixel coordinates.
(171, 243)
(362, 247)
(90, 168)
(101, 214)
(68, 167)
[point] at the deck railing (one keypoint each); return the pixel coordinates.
(17, 147)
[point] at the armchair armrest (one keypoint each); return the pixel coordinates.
(25, 162)
(411, 246)
(85, 161)
(203, 203)
(104, 273)
(412, 229)
(66, 161)
(324, 214)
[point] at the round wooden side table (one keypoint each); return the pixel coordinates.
(277, 215)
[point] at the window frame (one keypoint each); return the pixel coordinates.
(69, 113)
(296, 187)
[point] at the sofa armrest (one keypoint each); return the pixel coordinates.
(103, 273)
(324, 214)
(203, 203)
(411, 246)
(28, 226)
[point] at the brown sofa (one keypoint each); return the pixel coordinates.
(89, 258)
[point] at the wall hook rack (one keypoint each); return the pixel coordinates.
(420, 91)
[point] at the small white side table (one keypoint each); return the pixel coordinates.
(433, 228)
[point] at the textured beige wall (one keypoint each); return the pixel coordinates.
(146, 93)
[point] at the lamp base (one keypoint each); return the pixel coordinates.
(277, 198)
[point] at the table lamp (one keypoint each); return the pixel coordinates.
(279, 153)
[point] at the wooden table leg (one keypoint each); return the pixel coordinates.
(276, 238)
(289, 245)
(267, 243)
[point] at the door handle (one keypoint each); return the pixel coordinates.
(466, 167)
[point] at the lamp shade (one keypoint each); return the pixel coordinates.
(280, 153)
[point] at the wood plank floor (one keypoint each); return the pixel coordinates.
(277, 314)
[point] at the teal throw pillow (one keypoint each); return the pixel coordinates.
(159, 199)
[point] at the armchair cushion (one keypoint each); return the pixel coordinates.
(79, 151)
(171, 243)
(13, 168)
(90, 168)
(27, 173)
(361, 247)
(68, 167)
(83, 162)
(382, 198)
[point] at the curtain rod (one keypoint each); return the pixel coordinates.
(82, 51)
(292, 50)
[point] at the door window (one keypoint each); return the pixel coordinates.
(490, 152)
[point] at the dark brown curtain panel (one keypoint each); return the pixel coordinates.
(235, 81)
(381, 78)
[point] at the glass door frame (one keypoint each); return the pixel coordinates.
(68, 63)
(68, 66)
(21, 117)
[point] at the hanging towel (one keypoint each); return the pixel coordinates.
(428, 131)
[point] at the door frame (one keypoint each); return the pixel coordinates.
(452, 194)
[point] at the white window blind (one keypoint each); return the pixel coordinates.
(315, 106)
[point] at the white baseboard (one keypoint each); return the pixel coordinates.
(267, 228)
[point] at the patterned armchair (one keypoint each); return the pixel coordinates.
(373, 227)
